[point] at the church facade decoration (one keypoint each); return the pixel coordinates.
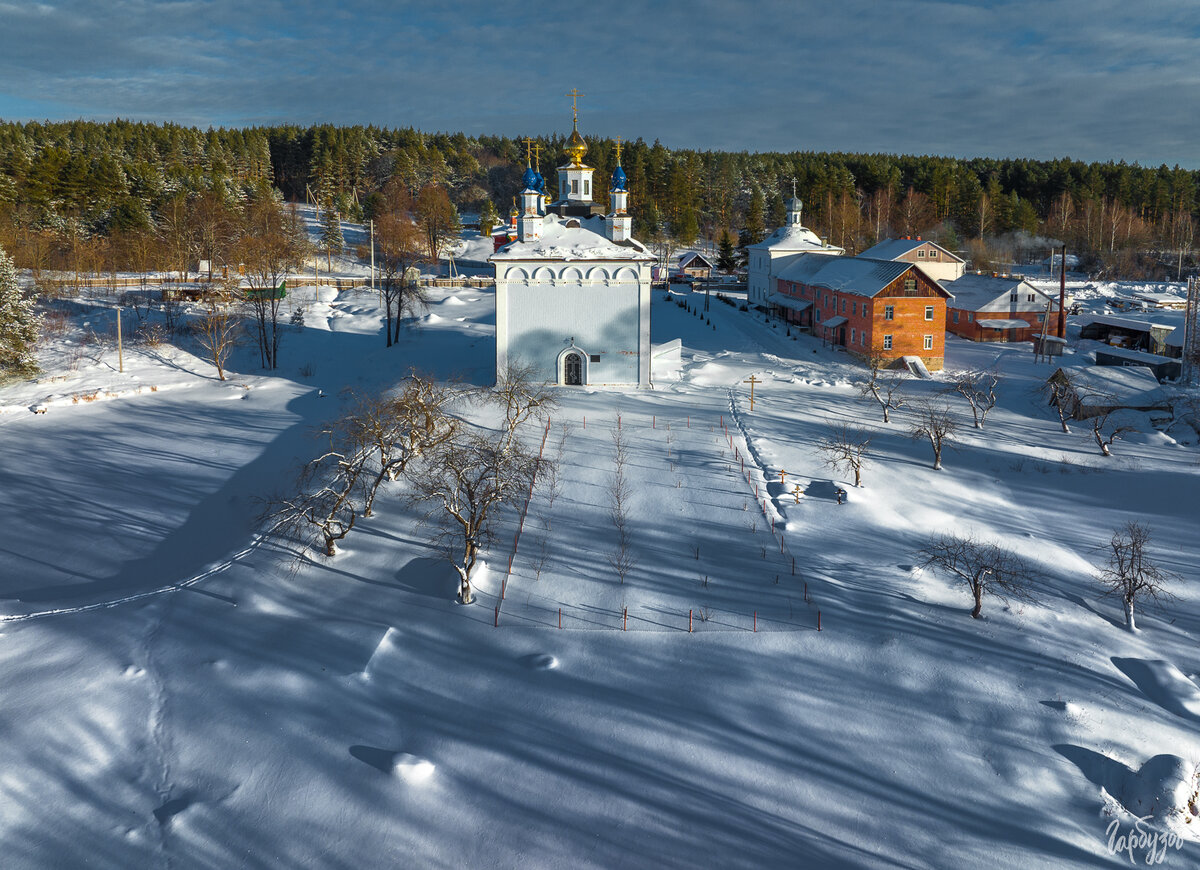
(573, 287)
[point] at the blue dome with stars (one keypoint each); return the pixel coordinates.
(530, 179)
(541, 182)
(618, 179)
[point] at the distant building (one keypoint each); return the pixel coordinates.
(573, 287)
(997, 308)
(1101, 389)
(889, 309)
(694, 265)
(780, 249)
(938, 263)
(1131, 333)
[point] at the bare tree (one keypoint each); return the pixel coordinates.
(394, 430)
(467, 478)
(437, 218)
(885, 391)
(329, 494)
(846, 446)
(1105, 431)
(1129, 572)
(985, 567)
(620, 491)
(979, 389)
(522, 397)
(933, 422)
(398, 247)
(1061, 389)
(272, 244)
(220, 329)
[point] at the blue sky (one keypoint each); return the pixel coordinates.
(1095, 80)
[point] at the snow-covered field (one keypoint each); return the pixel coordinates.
(174, 696)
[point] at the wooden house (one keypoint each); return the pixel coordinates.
(938, 263)
(694, 265)
(889, 309)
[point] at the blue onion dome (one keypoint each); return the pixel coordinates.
(618, 178)
(541, 182)
(530, 179)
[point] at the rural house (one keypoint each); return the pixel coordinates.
(938, 263)
(997, 308)
(870, 307)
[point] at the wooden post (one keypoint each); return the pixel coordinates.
(793, 566)
(781, 543)
(560, 617)
(625, 620)
(120, 349)
(496, 624)
(818, 620)
(654, 421)
(756, 620)
(806, 592)
(585, 421)
(689, 416)
(689, 622)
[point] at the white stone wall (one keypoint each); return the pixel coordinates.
(542, 310)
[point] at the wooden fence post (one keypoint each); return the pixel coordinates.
(496, 624)
(625, 620)
(818, 620)
(560, 617)
(689, 622)
(756, 621)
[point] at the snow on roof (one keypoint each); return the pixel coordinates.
(858, 275)
(834, 322)
(691, 257)
(1124, 323)
(572, 239)
(1151, 296)
(974, 292)
(890, 249)
(1002, 323)
(1126, 386)
(789, 238)
(1150, 359)
(789, 302)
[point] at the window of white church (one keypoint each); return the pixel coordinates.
(574, 186)
(586, 184)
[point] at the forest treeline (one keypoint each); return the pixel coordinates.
(103, 190)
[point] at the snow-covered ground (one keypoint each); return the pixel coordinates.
(175, 696)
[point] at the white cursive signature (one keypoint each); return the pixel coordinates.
(1153, 843)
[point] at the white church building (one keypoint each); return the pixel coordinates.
(573, 288)
(779, 250)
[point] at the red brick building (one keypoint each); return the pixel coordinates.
(870, 307)
(998, 308)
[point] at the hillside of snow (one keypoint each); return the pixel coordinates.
(175, 695)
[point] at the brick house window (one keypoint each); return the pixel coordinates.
(1041, 318)
(817, 314)
(854, 308)
(889, 312)
(929, 312)
(862, 338)
(843, 306)
(929, 342)
(970, 317)
(852, 335)
(887, 342)
(955, 314)
(910, 286)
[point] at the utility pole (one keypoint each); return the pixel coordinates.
(373, 261)
(1062, 295)
(120, 349)
(1191, 340)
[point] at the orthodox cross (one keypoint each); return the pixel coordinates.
(528, 149)
(797, 492)
(752, 381)
(575, 95)
(783, 477)
(618, 150)
(793, 187)
(537, 153)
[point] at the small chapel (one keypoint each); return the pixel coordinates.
(573, 286)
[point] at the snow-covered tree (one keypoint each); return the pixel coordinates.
(18, 323)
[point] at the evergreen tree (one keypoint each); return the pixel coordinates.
(489, 218)
(332, 241)
(726, 253)
(685, 227)
(776, 211)
(756, 228)
(18, 323)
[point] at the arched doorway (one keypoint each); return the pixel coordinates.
(573, 370)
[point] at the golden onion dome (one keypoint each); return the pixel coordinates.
(576, 148)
